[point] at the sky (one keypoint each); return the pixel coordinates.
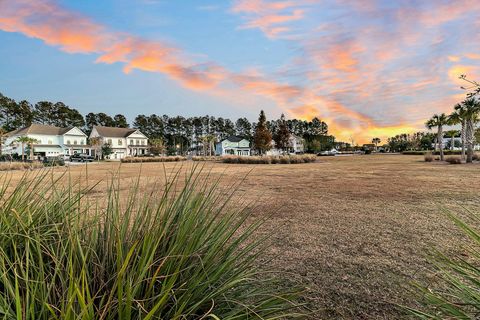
(369, 68)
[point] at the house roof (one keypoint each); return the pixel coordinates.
(234, 138)
(112, 132)
(35, 128)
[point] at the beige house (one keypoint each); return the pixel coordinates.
(125, 142)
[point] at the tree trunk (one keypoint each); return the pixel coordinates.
(463, 139)
(31, 151)
(23, 152)
(452, 141)
(469, 137)
(440, 142)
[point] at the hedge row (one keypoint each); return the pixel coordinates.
(153, 159)
(288, 159)
(7, 166)
(423, 152)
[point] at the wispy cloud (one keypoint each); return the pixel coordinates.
(271, 17)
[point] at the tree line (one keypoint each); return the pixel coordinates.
(175, 134)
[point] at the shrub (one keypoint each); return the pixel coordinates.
(7, 166)
(455, 295)
(186, 257)
(205, 158)
(153, 159)
(286, 159)
(476, 157)
(428, 157)
(453, 160)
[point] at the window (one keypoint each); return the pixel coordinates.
(109, 141)
(143, 142)
(131, 142)
(138, 142)
(75, 142)
(68, 142)
(82, 142)
(50, 142)
(120, 142)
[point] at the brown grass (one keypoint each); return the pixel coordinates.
(205, 158)
(353, 230)
(7, 166)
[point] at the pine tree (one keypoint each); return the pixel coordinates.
(282, 135)
(262, 138)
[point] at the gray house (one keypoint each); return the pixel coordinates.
(233, 145)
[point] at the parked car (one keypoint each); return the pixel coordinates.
(329, 153)
(53, 161)
(80, 157)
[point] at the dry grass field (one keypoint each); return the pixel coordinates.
(352, 230)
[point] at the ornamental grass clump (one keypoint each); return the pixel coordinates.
(456, 292)
(176, 252)
(454, 160)
(428, 157)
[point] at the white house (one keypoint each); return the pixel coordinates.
(233, 145)
(296, 145)
(51, 141)
(125, 142)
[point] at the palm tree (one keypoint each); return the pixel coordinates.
(438, 120)
(376, 141)
(459, 117)
(472, 111)
(451, 134)
(24, 140)
(3, 133)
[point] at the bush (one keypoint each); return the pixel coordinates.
(185, 257)
(453, 160)
(205, 158)
(7, 166)
(476, 157)
(428, 157)
(287, 159)
(455, 295)
(153, 159)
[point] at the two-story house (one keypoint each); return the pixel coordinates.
(233, 145)
(296, 145)
(50, 141)
(124, 142)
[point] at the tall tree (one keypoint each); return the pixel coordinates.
(459, 116)
(243, 128)
(44, 112)
(262, 138)
(282, 134)
(120, 121)
(451, 134)
(438, 120)
(472, 108)
(376, 141)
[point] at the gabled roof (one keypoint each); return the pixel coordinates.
(39, 129)
(234, 138)
(112, 132)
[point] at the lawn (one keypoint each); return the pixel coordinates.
(353, 230)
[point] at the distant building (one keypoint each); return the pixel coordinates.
(125, 142)
(51, 141)
(296, 145)
(233, 145)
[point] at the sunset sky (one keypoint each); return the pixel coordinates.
(366, 67)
